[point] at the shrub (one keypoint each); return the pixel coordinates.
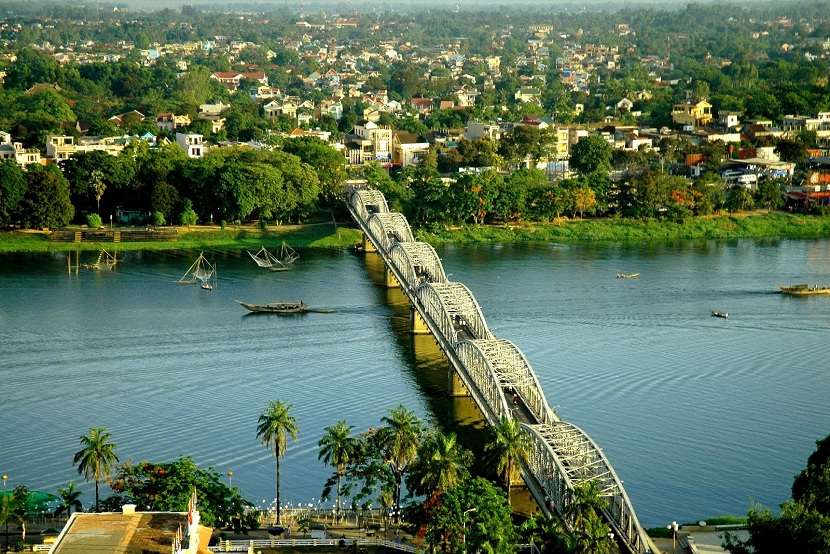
(158, 218)
(93, 221)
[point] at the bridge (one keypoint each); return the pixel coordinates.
(491, 370)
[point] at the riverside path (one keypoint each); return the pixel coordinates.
(493, 371)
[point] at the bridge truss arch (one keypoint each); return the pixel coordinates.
(564, 455)
(417, 262)
(389, 228)
(367, 202)
(452, 307)
(503, 362)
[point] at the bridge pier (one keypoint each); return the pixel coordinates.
(389, 278)
(455, 386)
(367, 245)
(417, 325)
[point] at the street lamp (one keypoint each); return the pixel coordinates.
(673, 528)
(230, 479)
(464, 525)
(7, 521)
(110, 221)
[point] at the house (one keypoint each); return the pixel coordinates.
(14, 151)
(528, 94)
(232, 79)
(171, 122)
(624, 105)
(213, 109)
(132, 532)
(697, 114)
(728, 119)
(63, 147)
(191, 143)
(133, 115)
(368, 142)
(477, 129)
(422, 105)
(407, 148)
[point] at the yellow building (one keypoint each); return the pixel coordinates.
(697, 114)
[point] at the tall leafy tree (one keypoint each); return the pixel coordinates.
(509, 445)
(97, 457)
(591, 154)
(338, 448)
(10, 512)
(276, 424)
(441, 463)
(13, 187)
(804, 522)
(400, 437)
(168, 487)
(70, 500)
(46, 202)
(472, 517)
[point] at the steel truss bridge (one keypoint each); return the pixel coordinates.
(491, 370)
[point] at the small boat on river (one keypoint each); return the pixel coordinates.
(719, 314)
(805, 290)
(627, 275)
(277, 307)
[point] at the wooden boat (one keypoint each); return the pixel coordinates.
(627, 275)
(264, 258)
(201, 271)
(804, 290)
(719, 314)
(276, 308)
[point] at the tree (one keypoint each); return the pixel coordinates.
(70, 500)
(441, 463)
(93, 221)
(13, 187)
(585, 504)
(10, 512)
(509, 445)
(472, 517)
(46, 203)
(804, 523)
(96, 458)
(168, 487)
(399, 439)
(276, 424)
(770, 193)
(187, 216)
(338, 448)
(97, 186)
(591, 154)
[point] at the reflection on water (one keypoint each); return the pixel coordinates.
(697, 414)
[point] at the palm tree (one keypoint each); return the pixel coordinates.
(70, 500)
(442, 463)
(509, 445)
(10, 511)
(275, 426)
(586, 505)
(404, 435)
(96, 458)
(337, 448)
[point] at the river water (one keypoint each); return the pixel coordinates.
(697, 414)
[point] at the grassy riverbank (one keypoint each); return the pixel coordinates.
(753, 225)
(324, 235)
(321, 235)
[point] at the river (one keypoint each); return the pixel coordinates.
(697, 414)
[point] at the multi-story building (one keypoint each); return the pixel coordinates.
(191, 143)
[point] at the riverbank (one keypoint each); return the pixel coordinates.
(317, 235)
(734, 226)
(754, 225)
